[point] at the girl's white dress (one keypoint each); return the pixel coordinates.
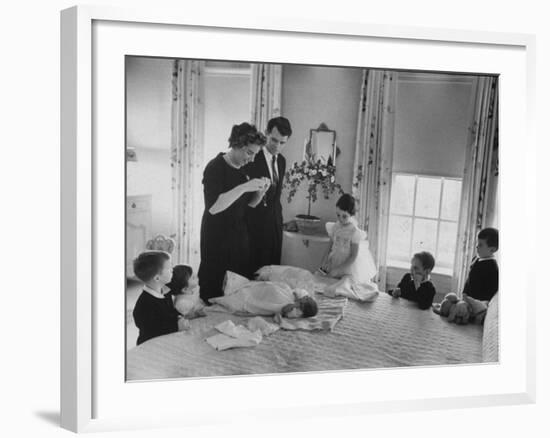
(363, 270)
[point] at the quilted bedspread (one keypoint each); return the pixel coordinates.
(385, 333)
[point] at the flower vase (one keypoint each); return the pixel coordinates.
(307, 224)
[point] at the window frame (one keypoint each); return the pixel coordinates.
(393, 263)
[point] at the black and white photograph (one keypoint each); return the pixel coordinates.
(290, 218)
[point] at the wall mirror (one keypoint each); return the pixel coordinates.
(321, 145)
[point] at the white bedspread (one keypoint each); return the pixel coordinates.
(385, 333)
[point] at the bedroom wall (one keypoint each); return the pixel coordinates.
(312, 95)
(148, 131)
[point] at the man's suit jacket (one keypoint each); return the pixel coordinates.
(265, 221)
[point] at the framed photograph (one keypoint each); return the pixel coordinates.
(238, 222)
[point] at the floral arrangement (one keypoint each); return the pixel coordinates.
(318, 174)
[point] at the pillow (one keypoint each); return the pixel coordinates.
(296, 278)
(489, 345)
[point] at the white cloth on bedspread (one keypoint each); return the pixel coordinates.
(350, 288)
(232, 336)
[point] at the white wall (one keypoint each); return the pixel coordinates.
(226, 103)
(148, 130)
(312, 95)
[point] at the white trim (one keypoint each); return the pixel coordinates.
(77, 341)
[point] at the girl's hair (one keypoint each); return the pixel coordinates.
(149, 264)
(180, 278)
(346, 203)
(426, 258)
(245, 134)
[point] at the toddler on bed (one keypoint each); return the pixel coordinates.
(184, 290)
(417, 285)
(482, 281)
(154, 312)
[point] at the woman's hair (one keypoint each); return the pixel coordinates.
(346, 203)
(245, 134)
(149, 263)
(282, 124)
(427, 260)
(308, 306)
(490, 235)
(180, 278)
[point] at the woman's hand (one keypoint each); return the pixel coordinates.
(255, 185)
(396, 293)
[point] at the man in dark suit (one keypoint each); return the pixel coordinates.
(265, 221)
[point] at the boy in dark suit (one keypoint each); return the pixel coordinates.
(482, 281)
(154, 312)
(265, 221)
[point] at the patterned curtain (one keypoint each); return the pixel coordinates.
(186, 159)
(266, 94)
(479, 187)
(373, 160)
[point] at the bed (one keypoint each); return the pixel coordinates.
(388, 332)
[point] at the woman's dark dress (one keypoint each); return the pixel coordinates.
(224, 236)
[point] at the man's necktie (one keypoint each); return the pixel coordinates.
(274, 170)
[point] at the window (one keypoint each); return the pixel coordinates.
(423, 217)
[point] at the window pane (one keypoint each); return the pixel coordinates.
(428, 193)
(425, 234)
(451, 199)
(399, 238)
(402, 194)
(447, 244)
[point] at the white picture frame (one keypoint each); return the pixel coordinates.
(93, 398)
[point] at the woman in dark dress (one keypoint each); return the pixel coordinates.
(227, 193)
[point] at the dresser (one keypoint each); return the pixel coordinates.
(138, 227)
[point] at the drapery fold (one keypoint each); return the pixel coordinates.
(266, 94)
(186, 159)
(478, 208)
(373, 160)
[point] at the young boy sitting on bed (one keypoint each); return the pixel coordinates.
(154, 312)
(417, 285)
(482, 281)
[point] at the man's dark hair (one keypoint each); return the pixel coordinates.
(346, 203)
(282, 124)
(490, 235)
(149, 263)
(426, 258)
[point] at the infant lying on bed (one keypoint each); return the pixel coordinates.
(265, 298)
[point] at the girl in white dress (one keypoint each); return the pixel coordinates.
(348, 257)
